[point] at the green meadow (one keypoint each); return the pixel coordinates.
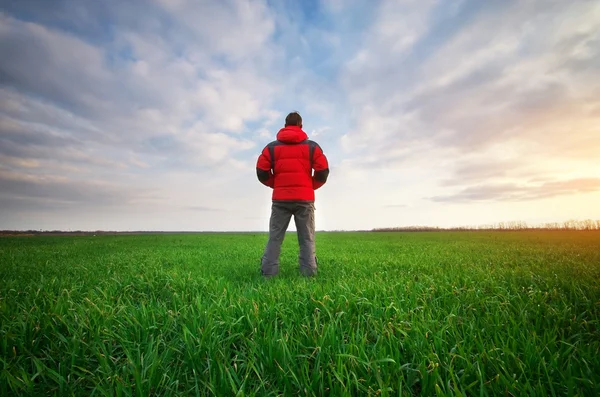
(431, 313)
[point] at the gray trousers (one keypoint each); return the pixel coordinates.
(304, 217)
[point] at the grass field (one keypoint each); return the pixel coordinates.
(465, 313)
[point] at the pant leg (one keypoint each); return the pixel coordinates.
(304, 217)
(280, 220)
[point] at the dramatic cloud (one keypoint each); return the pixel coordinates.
(477, 99)
(133, 107)
(530, 191)
(467, 77)
(150, 114)
(33, 193)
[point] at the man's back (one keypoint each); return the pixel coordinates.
(286, 165)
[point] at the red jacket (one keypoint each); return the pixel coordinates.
(287, 164)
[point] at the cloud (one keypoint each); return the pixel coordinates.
(478, 99)
(163, 106)
(463, 78)
(129, 101)
(236, 29)
(45, 63)
(319, 131)
(63, 192)
(90, 117)
(158, 90)
(514, 192)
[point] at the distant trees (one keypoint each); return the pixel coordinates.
(587, 224)
(571, 224)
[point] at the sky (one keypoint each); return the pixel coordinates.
(150, 114)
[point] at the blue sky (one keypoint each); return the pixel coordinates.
(149, 115)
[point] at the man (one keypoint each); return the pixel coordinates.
(286, 165)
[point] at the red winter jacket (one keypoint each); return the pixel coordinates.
(287, 164)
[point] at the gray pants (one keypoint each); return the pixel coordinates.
(304, 217)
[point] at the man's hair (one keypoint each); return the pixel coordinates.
(293, 118)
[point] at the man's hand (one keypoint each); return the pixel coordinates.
(263, 168)
(321, 167)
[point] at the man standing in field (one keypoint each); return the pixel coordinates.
(286, 165)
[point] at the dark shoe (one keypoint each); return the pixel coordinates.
(266, 276)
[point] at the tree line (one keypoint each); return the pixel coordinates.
(587, 224)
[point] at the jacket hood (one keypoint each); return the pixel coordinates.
(291, 134)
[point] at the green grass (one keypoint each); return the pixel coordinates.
(466, 313)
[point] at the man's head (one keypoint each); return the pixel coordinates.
(294, 119)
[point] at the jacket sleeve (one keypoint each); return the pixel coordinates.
(321, 167)
(263, 168)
